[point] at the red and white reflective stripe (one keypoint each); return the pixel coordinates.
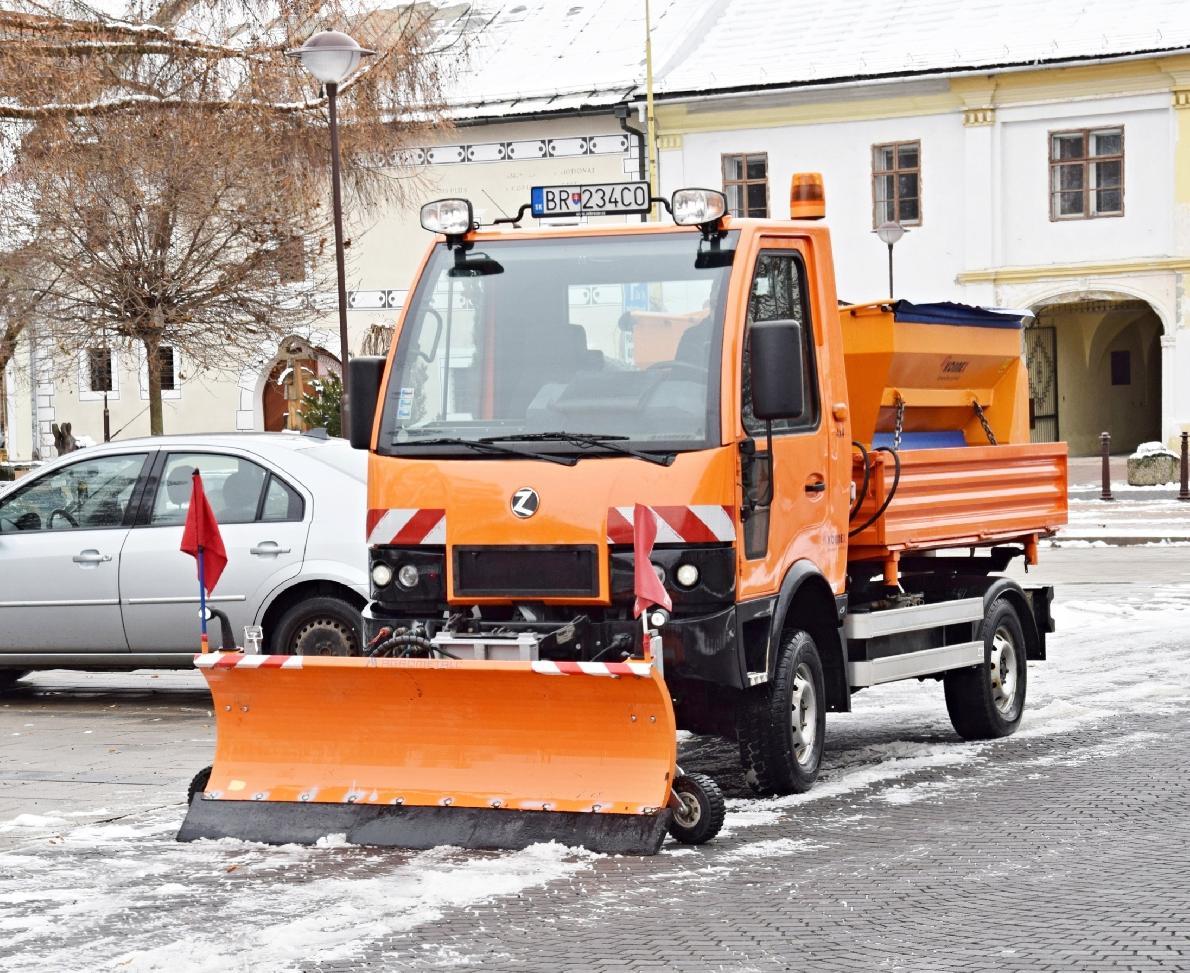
(238, 660)
(593, 668)
(424, 525)
(706, 523)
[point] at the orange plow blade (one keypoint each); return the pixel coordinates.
(422, 752)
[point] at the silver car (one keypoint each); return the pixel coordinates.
(91, 575)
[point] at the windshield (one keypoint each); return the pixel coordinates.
(610, 336)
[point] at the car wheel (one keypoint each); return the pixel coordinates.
(319, 626)
(9, 677)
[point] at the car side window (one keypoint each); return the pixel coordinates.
(233, 486)
(92, 493)
(281, 502)
(778, 294)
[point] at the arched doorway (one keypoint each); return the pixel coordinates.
(1095, 366)
(288, 377)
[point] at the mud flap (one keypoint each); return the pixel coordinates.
(420, 752)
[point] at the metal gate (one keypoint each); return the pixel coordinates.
(1041, 355)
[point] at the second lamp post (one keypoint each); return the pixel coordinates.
(890, 232)
(331, 57)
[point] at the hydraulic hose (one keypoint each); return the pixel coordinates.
(891, 493)
(863, 490)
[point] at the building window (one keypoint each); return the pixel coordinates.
(169, 374)
(99, 369)
(896, 183)
(1086, 173)
(746, 184)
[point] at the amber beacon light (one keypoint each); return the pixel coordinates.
(807, 198)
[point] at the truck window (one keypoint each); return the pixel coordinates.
(778, 294)
(614, 336)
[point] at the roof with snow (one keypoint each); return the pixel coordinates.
(528, 57)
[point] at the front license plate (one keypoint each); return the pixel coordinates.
(596, 199)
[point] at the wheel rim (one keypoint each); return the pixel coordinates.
(803, 715)
(1002, 671)
(689, 813)
(324, 635)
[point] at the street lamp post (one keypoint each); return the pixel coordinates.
(331, 56)
(890, 232)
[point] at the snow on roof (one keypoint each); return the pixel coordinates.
(533, 56)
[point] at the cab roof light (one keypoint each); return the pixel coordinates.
(698, 207)
(807, 196)
(453, 217)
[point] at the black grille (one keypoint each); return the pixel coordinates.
(526, 571)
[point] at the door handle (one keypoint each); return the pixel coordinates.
(816, 486)
(90, 556)
(268, 549)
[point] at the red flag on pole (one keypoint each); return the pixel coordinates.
(646, 586)
(202, 531)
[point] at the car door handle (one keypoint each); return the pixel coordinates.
(90, 556)
(267, 549)
(816, 486)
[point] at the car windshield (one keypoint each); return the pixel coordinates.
(596, 336)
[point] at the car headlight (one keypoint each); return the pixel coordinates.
(382, 574)
(686, 575)
(408, 576)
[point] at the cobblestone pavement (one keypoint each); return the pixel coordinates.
(1064, 847)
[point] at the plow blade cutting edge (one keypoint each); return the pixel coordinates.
(416, 753)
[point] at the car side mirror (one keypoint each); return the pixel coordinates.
(776, 356)
(364, 378)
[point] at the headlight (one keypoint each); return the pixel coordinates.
(453, 217)
(693, 207)
(408, 576)
(660, 572)
(382, 574)
(686, 575)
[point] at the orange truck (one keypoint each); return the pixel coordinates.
(836, 492)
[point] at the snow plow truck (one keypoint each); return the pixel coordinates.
(834, 490)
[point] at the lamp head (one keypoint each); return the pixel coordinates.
(330, 55)
(890, 232)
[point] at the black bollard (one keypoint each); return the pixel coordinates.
(1105, 450)
(1184, 492)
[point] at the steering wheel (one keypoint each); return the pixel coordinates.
(676, 365)
(49, 521)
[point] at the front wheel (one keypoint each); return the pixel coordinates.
(198, 785)
(782, 725)
(700, 811)
(986, 702)
(319, 626)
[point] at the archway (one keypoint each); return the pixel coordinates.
(286, 378)
(1095, 366)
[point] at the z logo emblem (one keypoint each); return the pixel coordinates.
(525, 502)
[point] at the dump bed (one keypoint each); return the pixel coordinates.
(946, 387)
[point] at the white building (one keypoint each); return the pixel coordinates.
(1038, 155)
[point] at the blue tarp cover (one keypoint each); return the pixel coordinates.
(949, 312)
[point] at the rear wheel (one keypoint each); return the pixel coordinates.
(9, 677)
(700, 811)
(987, 701)
(319, 626)
(782, 725)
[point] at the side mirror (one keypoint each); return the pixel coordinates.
(776, 353)
(364, 392)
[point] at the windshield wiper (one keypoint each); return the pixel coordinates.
(588, 440)
(485, 446)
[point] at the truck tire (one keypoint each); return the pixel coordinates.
(319, 626)
(782, 725)
(986, 702)
(9, 677)
(198, 784)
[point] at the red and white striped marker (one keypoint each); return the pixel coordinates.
(418, 525)
(707, 523)
(238, 660)
(546, 668)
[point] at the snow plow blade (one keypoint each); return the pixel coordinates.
(416, 753)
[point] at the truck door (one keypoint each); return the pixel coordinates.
(790, 518)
